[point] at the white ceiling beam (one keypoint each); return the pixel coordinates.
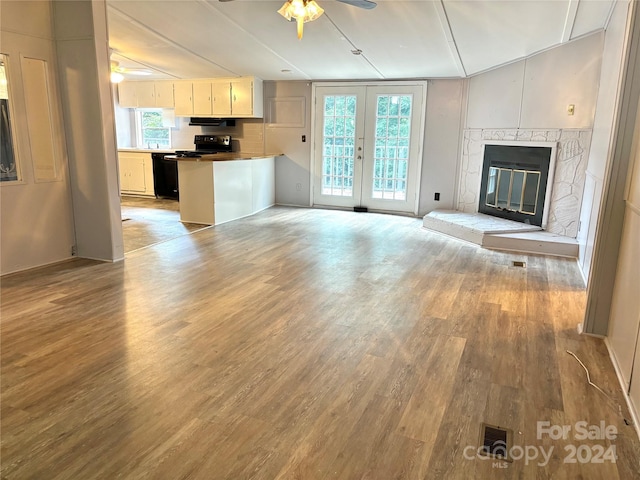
(161, 37)
(572, 12)
(448, 33)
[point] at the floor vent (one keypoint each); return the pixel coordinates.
(520, 264)
(496, 442)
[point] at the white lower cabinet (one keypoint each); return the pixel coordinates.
(136, 173)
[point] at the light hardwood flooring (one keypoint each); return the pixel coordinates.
(147, 221)
(300, 344)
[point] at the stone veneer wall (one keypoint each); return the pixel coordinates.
(568, 180)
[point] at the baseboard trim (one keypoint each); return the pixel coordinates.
(634, 414)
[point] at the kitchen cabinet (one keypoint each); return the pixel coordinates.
(183, 94)
(164, 94)
(202, 98)
(221, 97)
(136, 173)
(127, 95)
(242, 98)
(146, 94)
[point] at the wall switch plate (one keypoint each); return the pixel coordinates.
(304, 138)
(436, 197)
(571, 108)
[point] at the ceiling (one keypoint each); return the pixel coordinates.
(398, 39)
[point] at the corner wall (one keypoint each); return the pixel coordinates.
(527, 101)
(83, 56)
(36, 216)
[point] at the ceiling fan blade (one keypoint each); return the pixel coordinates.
(360, 3)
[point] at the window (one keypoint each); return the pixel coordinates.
(151, 132)
(8, 163)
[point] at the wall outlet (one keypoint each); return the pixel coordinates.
(74, 250)
(298, 187)
(571, 109)
(304, 138)
(436, 197)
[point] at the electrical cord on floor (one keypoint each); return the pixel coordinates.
(611, 400)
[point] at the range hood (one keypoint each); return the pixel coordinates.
(212, 122)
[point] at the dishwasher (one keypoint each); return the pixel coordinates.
(165, 176)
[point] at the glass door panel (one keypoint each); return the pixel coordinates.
(339, 139)
(393, 136)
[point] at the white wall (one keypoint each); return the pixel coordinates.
(534, 93)
(292, 168)
(624, 321)
(440, 155)
(445, 111)
(606, 106)
(36, 218)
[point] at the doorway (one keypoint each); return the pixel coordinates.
(368, 145)
(149, 221)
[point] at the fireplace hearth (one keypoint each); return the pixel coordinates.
(515, 180)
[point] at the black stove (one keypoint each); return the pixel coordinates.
(207, 145)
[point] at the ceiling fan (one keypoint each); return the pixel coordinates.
(117, 71)
(303, 11)
(356, 3)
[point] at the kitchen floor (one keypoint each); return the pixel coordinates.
(148, 221)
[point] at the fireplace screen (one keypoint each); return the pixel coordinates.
(515, 190)
(514, 182)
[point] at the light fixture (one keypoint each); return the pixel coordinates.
(116, 77)
(302, 11)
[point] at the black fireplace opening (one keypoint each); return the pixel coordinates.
(514, 182)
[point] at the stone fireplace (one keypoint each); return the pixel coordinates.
(565, 181)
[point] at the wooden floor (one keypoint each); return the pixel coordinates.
(301, 344)
(147, 221)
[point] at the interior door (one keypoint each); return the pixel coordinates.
(367, 146)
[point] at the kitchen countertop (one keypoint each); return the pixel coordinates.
(151, 150)
(223, 157)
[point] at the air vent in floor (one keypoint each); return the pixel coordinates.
(519, 264)
(495, 441)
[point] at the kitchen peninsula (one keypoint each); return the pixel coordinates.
(222, 187)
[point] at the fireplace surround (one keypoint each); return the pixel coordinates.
(568, 174)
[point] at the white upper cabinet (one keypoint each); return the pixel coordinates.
(183, 93)
(127, 95)
(208, 97)
(238, 97)
(221, 97)
(146, 94)
(164, 94)
(202, 98)
(242, 97)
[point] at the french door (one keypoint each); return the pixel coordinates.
(367, 142)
